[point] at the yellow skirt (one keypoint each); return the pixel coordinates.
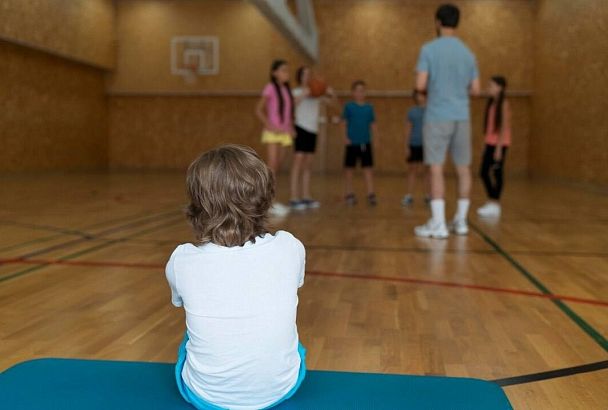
(283, 138)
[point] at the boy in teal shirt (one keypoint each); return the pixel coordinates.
(360, 123)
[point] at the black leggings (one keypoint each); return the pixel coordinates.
(491, 171)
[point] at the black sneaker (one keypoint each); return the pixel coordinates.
(372, 200)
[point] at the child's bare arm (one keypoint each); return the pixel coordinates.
(260, 112)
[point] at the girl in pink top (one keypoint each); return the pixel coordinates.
(275, 109)
(497, 128)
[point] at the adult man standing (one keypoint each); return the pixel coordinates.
(448, 72)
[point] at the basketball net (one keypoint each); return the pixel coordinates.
(191, 75)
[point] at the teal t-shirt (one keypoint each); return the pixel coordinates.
(451, 67)
(415, 116)
(359, 118)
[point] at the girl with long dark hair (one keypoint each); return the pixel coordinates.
(497, 130)
(275, 110)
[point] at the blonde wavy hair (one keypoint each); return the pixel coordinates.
(230, 190)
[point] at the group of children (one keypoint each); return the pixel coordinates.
(239, 283)
(291, 117)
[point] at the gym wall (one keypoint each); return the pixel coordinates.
(570, 140)
(54, 58)
(154, 125)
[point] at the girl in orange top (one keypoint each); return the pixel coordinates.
(497, 128)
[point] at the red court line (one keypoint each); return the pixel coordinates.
(428, 282)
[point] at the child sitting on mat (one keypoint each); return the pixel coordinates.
(239, 288)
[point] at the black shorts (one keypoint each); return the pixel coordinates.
(306, 141)
(416, 154)
(362, 152)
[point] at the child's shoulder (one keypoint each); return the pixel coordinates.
(289, 240)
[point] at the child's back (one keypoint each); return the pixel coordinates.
(241, 303)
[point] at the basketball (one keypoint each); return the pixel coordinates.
(317, 87)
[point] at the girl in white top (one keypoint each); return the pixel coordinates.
(239, 288)
(306, 128)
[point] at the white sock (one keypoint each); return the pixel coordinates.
(438, 210)
(462, 209)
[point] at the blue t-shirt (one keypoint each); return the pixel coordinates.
(451, 67)
(359, 118)
(415, 116)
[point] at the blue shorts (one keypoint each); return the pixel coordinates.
(201, 404)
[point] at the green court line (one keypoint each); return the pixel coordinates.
(586, 327)
(96, 225)
(90, 249)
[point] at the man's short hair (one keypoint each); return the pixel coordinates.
(448, 15)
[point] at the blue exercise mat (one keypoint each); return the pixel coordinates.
(94, 384)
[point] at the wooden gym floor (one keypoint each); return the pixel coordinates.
(81, 275)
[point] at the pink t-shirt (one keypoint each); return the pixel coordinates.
(272, 107)
(492, 135)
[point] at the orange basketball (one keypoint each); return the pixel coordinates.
(317, 87)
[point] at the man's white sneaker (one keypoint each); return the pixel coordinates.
(432, 229)
(489, 210)
(278, 209)
(459, 227)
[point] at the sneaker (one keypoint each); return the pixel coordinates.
(432, 230)
(297, 205)
(350, 199)
(489, 210)
(278, 209)
(311, 203)
(372, 200)
(459, 227)
(407, 200)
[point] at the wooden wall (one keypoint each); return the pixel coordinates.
(54, 109)
(378, 41)
(81, 30)
(570, 138)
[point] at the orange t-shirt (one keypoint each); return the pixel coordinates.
(492, 135)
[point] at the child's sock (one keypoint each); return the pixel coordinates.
(438, 210)
(462, 209)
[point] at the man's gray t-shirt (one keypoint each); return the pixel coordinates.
(451, 67)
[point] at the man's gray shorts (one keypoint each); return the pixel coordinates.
(437, 137)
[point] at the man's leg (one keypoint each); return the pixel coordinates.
(436, 137)
(461, 155)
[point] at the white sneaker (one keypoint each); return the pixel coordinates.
(459, 227)
(489, 210)
(432, 229)
(278, 209)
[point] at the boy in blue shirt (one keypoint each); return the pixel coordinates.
(413, 146)
(360, 123)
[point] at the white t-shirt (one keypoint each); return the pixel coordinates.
(241, 305)
(307, 112)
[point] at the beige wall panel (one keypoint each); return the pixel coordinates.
(379, 40)
(82, 30)
(248, 44)
(570, 138)
(54, 114)
(168, 132)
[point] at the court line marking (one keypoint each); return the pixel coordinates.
(551, 374)
(91, 236)
(111, 264)
(89, 250)
(586, 327)
(135, 223)
(93, 226)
